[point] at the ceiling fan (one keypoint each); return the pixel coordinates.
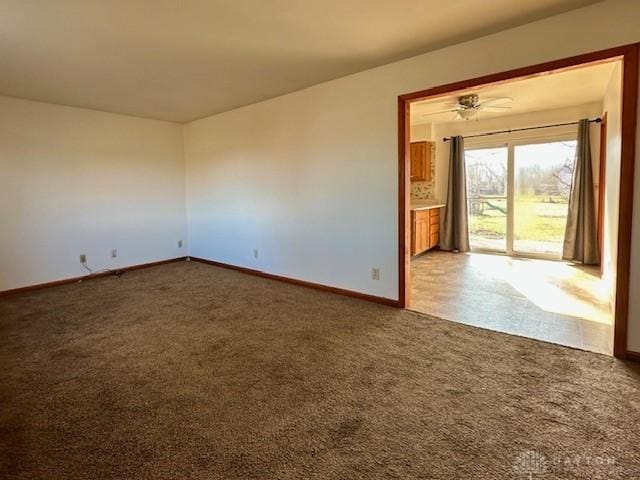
(468, 106)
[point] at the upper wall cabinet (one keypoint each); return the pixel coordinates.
(420, 161)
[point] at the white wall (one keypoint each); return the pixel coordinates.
(314, 186)
(612, 106)
(297, 188)
(421, 132)
(80, 181)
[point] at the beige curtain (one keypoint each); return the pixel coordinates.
(580, 238)
(455, 235)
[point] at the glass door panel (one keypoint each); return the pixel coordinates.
(543, 173)
(487, 197)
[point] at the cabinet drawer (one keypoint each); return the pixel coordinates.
(422, 215)
(434, 228)
(434, 240)
(434, 219)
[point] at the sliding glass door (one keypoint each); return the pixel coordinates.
(487, 197)
(543, 174)
(518, 196)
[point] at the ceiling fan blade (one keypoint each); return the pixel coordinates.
(493, 108)
(438, 113)
(491, 101)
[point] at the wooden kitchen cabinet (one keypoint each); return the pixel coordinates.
(425, 230)
(434, 227)
(420, 155)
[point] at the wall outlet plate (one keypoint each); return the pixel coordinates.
(114, 253)
(255, 253)
(375, 273)
(83, 258)
(179, 243)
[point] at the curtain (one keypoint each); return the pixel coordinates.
(455, 235)
(580, 238)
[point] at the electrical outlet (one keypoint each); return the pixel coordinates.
(114, 253)
(179, 243)
(255, 253)
(375, 273)
(83, 258)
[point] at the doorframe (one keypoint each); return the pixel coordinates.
(602, 179)
(628, 54)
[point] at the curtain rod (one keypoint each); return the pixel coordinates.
(596, 120)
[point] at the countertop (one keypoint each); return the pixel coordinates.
(426, 204)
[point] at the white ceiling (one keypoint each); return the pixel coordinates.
(184, 59)
(545, 92)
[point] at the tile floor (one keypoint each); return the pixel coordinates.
(547, 300)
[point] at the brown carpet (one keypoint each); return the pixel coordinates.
(187, 371)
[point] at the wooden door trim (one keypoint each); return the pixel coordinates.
(625, 216)
(602, 179)
(404, 212)
(628, 54)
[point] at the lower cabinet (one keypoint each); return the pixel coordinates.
(425, 230)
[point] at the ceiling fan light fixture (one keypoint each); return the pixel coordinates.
(467, 114)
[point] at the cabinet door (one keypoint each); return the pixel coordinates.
(426, 167)
(424, 236)
(420, 231)
(414, 236)
(420, 154)
(418, 159)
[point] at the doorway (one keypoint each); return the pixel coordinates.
(519, 215)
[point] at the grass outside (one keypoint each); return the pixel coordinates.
(539, 218)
